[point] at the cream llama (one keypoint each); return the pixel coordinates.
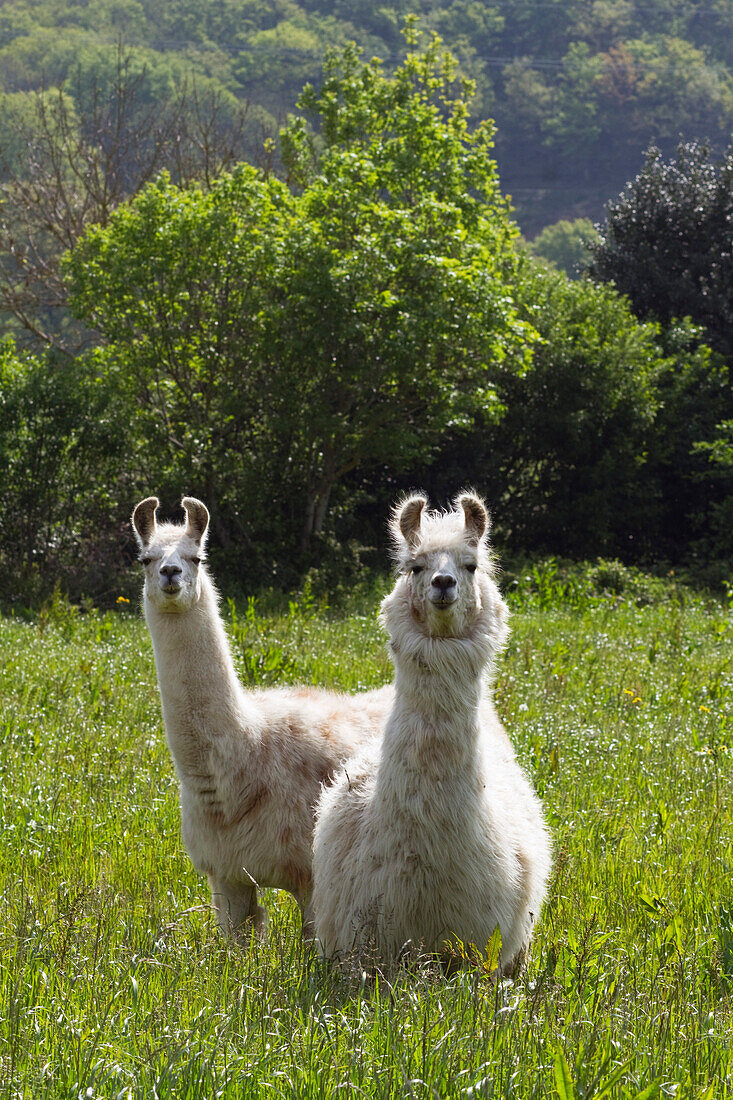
(250, 763)
(433, 833)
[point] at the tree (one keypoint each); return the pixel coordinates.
(88, 145)
(321, 331)
(401, 315)
(598, 451)
(567, 463)
(668, 242)
(668, 245)
(178, 282)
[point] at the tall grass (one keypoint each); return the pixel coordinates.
(115, 983)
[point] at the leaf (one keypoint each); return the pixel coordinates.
(673, 933)
(612, 1080)
(651, 1092)
(563, 1080)
(652, 904)
(492, 951)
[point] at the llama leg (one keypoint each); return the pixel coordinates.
(513, 967)
(236, 908)
(306, 912)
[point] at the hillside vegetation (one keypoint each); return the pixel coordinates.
(578, 88)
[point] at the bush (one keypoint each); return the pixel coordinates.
(64, 479)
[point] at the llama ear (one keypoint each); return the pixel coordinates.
(143, 520)
(476, 517)
(407, 516)
(197, 518)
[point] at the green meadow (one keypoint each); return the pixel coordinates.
(617, 691)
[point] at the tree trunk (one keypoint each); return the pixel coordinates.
(322, 508)
(310, 513)
(316, 510)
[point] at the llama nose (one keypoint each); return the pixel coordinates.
(170, 571)
(443, 581)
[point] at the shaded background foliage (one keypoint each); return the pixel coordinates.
(66, 467)
(667, 244)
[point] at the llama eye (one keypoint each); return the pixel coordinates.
(197, 561)
(472, 567)
(145, 561)
(416, 569)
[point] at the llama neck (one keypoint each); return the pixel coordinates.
(434, 723)
(198, 685)
(439, 686)
(448, 686)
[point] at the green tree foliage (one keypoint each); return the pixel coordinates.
(308, 335)
(401, 314)
(601, 449)
(575, 435)
(288, 350)
(688, 448)
(70, 155)
(577, 87)
(660, 86)
(281, 58)
(179, 283)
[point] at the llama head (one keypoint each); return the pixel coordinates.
(445, 580)
(171, 554)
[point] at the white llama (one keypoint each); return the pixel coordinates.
(433, 833)
(250, 763)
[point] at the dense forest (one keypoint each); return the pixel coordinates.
(271, 254)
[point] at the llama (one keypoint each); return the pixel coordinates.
(250, 764)
(433, 834)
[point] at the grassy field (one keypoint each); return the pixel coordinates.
(115, 983)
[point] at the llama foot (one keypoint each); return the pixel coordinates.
(257, 922)
(514, 966)
(237, 911)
